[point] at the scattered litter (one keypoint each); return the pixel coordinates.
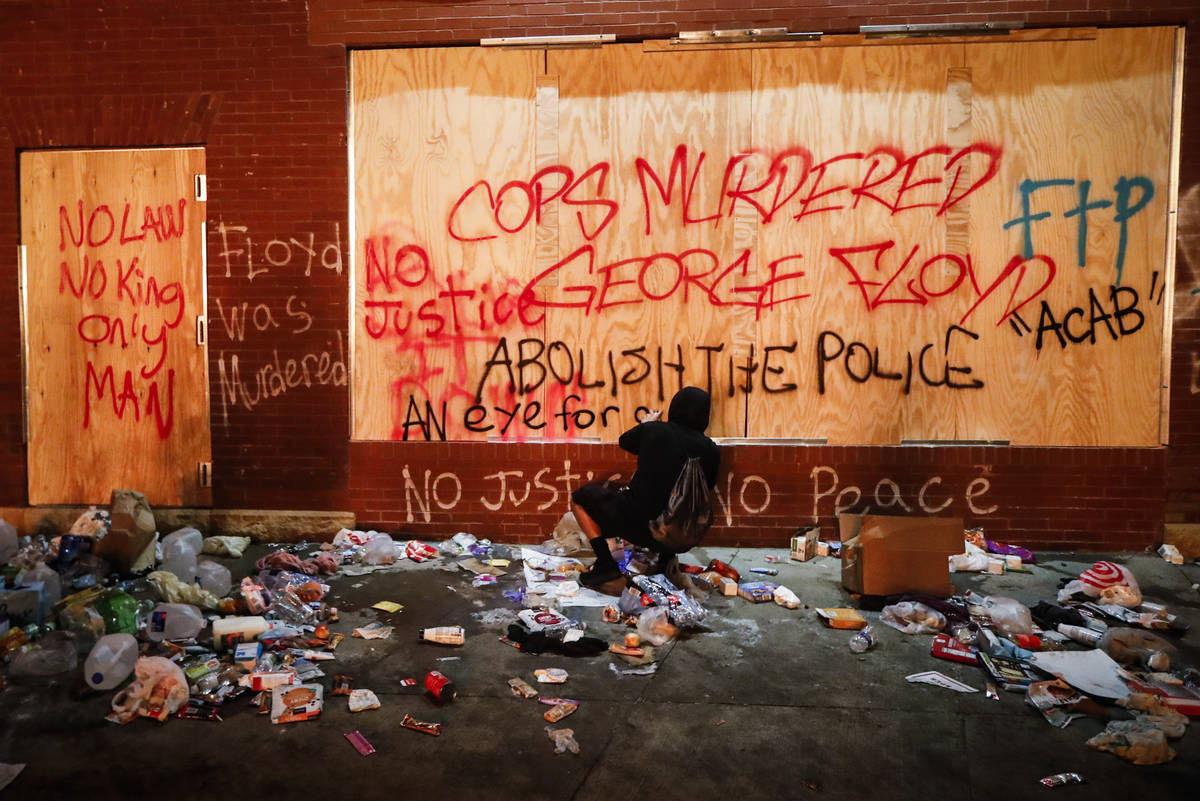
(362, 700)
(841, 618)
(440, 686)
(342, 685)
(940, 680)
(360, 743)
(387, 606)
(563, 739)
(1170, 553)
(559, 711)
(1059, 779)
(483, 580)
(522, 688)
(646, 670)
(409, 722)
(1094, 672)
(911, 617)
(443, 635)
(294, 703)
(550, 675)
(373, 631)
(786, 598)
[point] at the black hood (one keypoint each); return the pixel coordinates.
(690, 408)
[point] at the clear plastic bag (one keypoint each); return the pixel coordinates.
(381, 550)
(682, 608)
(654, 626)
(563, 739)
(1008, 615)
(912, 617)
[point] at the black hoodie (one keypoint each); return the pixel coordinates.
(662, 448)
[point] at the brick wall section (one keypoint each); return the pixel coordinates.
(262, 85)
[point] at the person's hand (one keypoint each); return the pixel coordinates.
(651, 415)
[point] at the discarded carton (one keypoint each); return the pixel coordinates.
(24, 604)
(886, 555)
(804, 546)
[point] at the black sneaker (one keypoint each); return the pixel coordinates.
(599, 576)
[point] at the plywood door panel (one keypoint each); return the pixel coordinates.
(850, 116)
(1087, 120)
(663, 127)
(117, 385)
(443, 150)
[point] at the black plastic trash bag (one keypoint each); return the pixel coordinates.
(688, 516)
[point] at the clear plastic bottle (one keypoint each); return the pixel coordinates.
(174, 622)
(862, 641)
(111, 661)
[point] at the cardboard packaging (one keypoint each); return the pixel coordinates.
(804, 545)
(887, 555)
(842, 618)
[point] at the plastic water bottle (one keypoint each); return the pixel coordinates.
(214, 577)
(111, 661)
(174, 622)
(862, 641)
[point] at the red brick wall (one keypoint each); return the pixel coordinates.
(262, 85)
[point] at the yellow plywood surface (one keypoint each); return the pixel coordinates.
(444, 148)
(117, 386)
(829, 238)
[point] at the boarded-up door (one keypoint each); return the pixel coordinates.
(114, 289)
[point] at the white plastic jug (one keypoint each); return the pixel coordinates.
(174, 622)
(214, 577)
(111, 661)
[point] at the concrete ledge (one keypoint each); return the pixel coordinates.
(261, 525)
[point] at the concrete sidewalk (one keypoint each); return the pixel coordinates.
(763, 702)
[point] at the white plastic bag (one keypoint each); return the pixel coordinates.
(654, 626)
(158, 690)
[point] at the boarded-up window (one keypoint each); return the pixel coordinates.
(861, 242)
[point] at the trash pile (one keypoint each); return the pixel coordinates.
(1097, 646)
(164, 626)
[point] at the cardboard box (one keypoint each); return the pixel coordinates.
(804, 546)
(886, 555)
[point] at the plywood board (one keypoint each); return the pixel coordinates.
(832, 239)
(663, 128)
(117, 385)
(444, 149)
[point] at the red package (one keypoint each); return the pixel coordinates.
(419, 551)
(946, 647)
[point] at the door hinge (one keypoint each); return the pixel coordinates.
(201, 187)
(201, 330)
(204, 473)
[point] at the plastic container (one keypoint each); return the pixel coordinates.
(119, 610)
(862, 641)
(51, 582)
(189, 536)
(174, 622)
(229, 631)
(110, 661)
(1080, 634)
(180, 559)
(214, 577)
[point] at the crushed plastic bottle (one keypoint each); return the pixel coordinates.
(862, 641)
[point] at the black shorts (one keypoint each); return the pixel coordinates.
(612, 509)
